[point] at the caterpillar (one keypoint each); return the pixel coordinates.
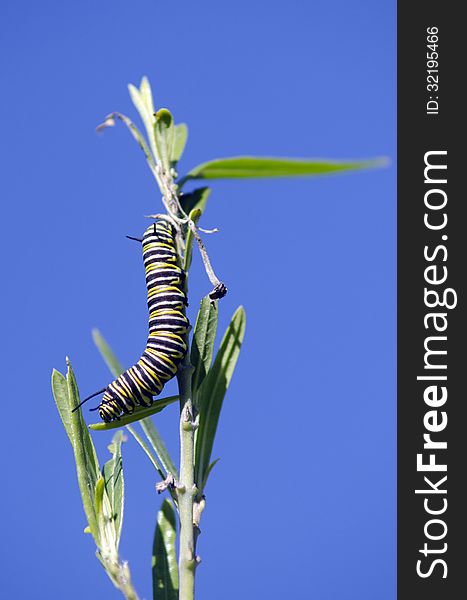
(165, 348)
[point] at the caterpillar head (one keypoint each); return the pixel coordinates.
(109, 408)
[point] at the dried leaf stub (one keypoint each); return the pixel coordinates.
(109, 122)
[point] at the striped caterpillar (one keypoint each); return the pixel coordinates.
(165, 348)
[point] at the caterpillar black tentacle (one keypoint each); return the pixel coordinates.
(166, 347)
(89, 398)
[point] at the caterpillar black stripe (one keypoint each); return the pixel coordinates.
(165, 348)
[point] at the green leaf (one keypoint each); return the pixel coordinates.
(180, 139)
(212, 392)
(108, 548)
(99, 491)
(258, 166)
(107, 353)
(140, 413)
(145, 93)
(159, 447)
(60, 392)
(203, 342)
(114, 483)
(196, 199)
(142, 99)
(87, 466)
(164, 559)
(164, 135)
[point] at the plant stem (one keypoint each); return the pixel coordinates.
(186, 488)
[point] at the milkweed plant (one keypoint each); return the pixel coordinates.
(203, 376)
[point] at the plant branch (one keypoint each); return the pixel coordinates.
(171, 202)
(186, 489)
(204, 254)
(170, 195)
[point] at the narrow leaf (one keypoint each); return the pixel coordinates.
(99, 491)
(146, 95)
(107, 531)
(140, 413)
(159, 447)
(258, 166)
(60, 392)
(180, 139)
(164, 560)
(85, 453)
(146, 112)
(107, 353)
(114, 483)
(213, 389)
(203, 342)
(87, 467)
(164, 135)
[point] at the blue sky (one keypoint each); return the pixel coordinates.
(302, 503)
